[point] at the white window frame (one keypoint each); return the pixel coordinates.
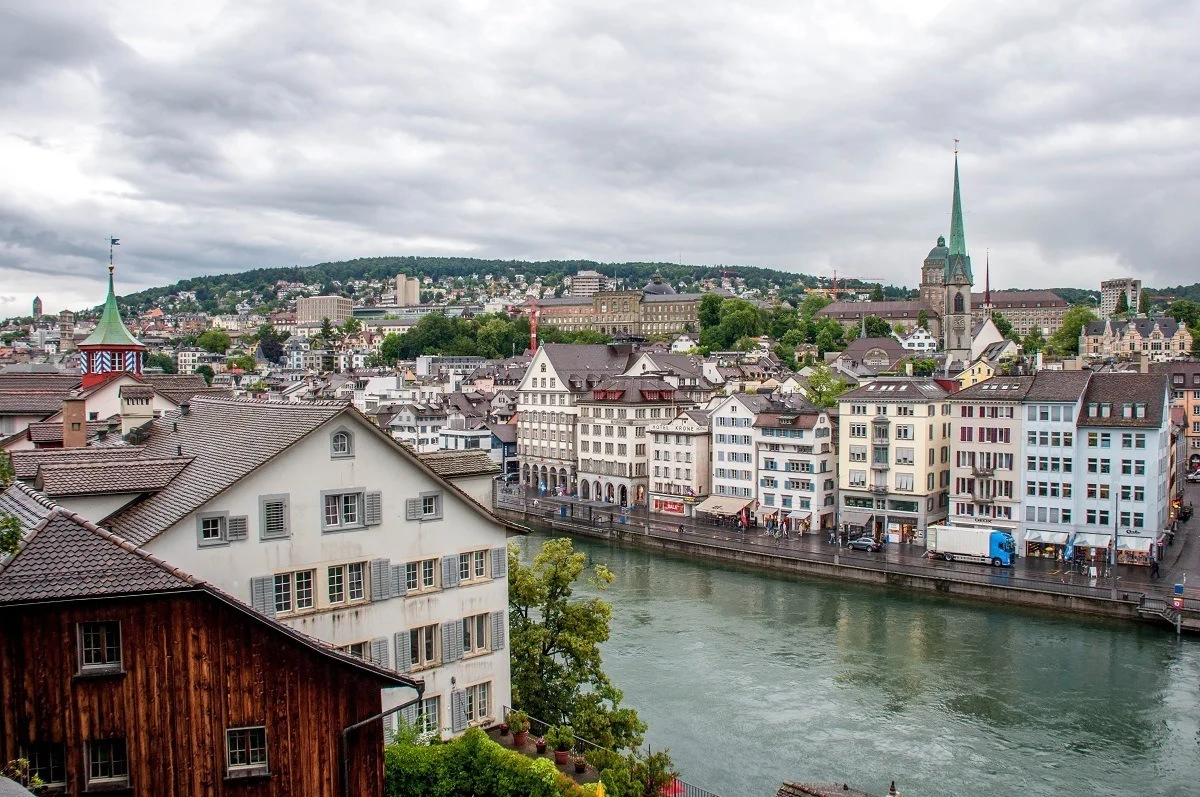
(110, 780)
(250, 767)
(106, 665)
(476, 631)
(426, 637)
(475, 695)
(359, 497)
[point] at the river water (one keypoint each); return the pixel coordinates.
(753, 678)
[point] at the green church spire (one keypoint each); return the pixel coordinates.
(958, 241)
(110, 330)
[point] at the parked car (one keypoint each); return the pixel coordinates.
(865, 544)
(1194, 476)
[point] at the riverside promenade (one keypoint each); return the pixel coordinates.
(1031, 582)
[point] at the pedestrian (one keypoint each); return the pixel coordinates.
(1154, 572)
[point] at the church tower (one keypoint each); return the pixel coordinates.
(110, 349)
(956, 312)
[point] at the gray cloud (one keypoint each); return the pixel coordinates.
(804, 136)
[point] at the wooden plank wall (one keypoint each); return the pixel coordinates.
(194, 667)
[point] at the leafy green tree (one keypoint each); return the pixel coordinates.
(1185, 311)
(786, 354)
(327, 331)
(710, 310)
(351, 326)
(162, 361)
(1145, 302)
(206, 371)
(392, 348)
(745, 344)
(243, 361)
(829, 336)
(813, 304)
(7, 474)
(877, 327)
(1122, 307)
(1034, 342)
(216, 341)
(1066, 339)
(924, 366)
(877, 293)
(793, 338)
(923, 319)
(1003, 325)
(557, 675)
(824, 386)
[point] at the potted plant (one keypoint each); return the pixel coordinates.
(540, 743)
(580, 764)
(518, 723)
(561, 738)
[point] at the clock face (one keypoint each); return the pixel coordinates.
(960, 323)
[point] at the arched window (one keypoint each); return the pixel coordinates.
(341, 444)
(958, 303)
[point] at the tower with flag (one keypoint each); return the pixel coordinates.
(110, 349)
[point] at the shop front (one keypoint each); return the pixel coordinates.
(858, 524)
(903, 521)
(1091, 550)
(798, 521)
(768, 517)
(668, 506)
(1135, 550)
(1042, 544)
(725, 509)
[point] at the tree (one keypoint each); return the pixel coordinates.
(1185, 311)
(216, 341)
(243, 361)
(327, 331)
(206, 371)
(352, 326)
(7, 474)
(824, 387)
(391, 349)
(923, 319)
(877, 327)
(1034, 342)
(1145, 302)
(1066, 339)
(1122, 307)
(1004, 326)
(162, 361)
(925, 366)
(877, 293)
(10, 533)
(813, 304)
(786, 354)
(555, 647)
(710, 310)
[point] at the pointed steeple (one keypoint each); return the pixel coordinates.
(958, 241)
(987, 279)
(110, 329)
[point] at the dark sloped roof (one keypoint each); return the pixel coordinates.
(897, 389)
(137, 391)
(631, 388)
(889, 309)
(1119, 389)
(58, 382)
(31, 402)
(998, 388)
(52, 431)
(178, 387)
(26, 505)
(1010, 300)
(118, 475)
(504, 432)
(456, 464)
(1058, 385)
(26, 463)
(581, 363)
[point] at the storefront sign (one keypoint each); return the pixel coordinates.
(675, 507)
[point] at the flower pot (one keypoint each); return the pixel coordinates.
(520, 738)
(541, 745)
(504, 729)
(562, 757)
(580, 765)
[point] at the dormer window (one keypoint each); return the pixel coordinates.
(341, 444)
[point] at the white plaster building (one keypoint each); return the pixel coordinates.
(734, 469)
(986, 465)
(680, 463)
(797, 465)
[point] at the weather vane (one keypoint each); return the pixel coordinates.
(111, 243)
(956, 146)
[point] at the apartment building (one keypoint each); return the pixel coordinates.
(315, 309)
(894, 458)
(797, 465)
(734, 468)
(557, 377)
(588, 283)
(1184, 380)
(1111, 291)
(612, 436)
(985, 471)
(680, 463)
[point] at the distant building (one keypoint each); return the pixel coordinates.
(1110, 295)
(408, 290)
(66, 331)
(655, 310)
(37, 308)
(1160, 338)
(317, 308)
(919, 340)
(587, 283)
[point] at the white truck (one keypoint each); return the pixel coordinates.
(971, 544)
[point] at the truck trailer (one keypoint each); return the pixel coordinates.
(971, 544)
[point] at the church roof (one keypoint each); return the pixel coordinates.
(657, 287)
(110, 329)
(958, 240)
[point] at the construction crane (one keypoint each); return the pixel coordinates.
(833, 289)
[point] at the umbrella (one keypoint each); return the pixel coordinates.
(672, 789)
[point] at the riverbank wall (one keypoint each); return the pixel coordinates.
(1125, 607)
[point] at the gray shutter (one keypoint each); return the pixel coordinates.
(450, 571)
(262, 595)
(409, 715)
(399, 581)
(451, 641)
(374, 508)
(412, 509)
(499, 562)
(237, 528)
(403, 651)
(458, 712)
(381, 579)
(498, 630)
(379, 651)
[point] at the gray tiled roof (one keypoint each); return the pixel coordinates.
(1015, 300)
(885, 309)
(1119, 389)
(116, 475)
(1166, 325)
(228, 439)
(453, 464)
(897, 389)
(10, 788)
(631, 388)
(179, 387)
(52, 431)
(998, 388)
(31, 402)
(26, 463)
(1058, 385)
(61, 383)
(26, 505)
(577, 364)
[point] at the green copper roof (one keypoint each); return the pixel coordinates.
(958, 241)
(110, 330)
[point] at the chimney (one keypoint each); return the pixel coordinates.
(185, 408)
(1144, 364)
(135, 412)
(74, 412)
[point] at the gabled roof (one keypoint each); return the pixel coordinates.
(181, 387)
(26, 505)
(117, 475)
(504, 432)
(56, 382)
(1016, 300)
(581, 366)
(26, 463)
(31, 402)
(1058, 385)
(459, 464)
(1119, 389)
(52, 431)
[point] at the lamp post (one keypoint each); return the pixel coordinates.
(1113, 550)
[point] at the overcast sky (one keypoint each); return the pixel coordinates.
(800, 135)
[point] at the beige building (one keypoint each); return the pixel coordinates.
(1160, 338)
(587, 283)
(408, 290)
(1110, 293)
(680, 463)
(985, 469)
(894, 458)
(317, 308)
(1025, 310)
(655, 310)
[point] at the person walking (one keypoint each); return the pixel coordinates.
(1154, 571)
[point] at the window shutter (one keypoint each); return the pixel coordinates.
(399, 581)
(379, 651)
(499, 562)
(262, 595)
(449, 571)
(409, 715)
(412, 509)
(451, 641)
(236, 528)
(403, 652)
(381, 579)
(498, 630)
(374, 508)
(458, 712)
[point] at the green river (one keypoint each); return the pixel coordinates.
(752, 679)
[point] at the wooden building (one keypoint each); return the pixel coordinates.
(119, 672)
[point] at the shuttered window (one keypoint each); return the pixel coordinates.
(273, 517)
(452, 641)
(499, 622)
(237, 528)
(344, 510)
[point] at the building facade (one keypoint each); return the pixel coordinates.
(315, 309)
(680, 463)
(587, 283)
(655, 310)
(1159, 338)
(894, 458)
(985, 472)
(1111, 292)
(796, 465)
(1184, 381)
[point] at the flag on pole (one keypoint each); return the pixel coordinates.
(114, 241)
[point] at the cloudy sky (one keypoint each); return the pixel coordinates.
(802, 135)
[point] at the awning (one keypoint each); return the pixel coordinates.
(1088, 540)
(767, 511)
(1139, 544)
(723, 505)
(1051, 537)
(798, 514)
(857, 518)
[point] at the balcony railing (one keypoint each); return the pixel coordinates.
(983, 473)
(879, 489)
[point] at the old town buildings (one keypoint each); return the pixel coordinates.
(1159, 338)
